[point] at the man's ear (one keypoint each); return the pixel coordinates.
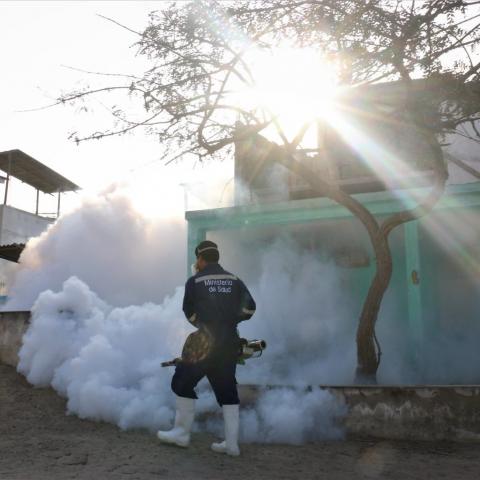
(201, 263)
(194, 268)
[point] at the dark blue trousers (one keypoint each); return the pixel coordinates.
(220, 372)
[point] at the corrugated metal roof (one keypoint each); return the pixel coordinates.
(36, 174)
(11, 252)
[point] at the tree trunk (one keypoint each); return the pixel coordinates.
(368, 355)
(368, 348)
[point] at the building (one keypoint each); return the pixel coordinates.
(433, 301)
(16, 225)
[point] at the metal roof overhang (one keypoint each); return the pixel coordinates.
(22, 166)
(11, 252)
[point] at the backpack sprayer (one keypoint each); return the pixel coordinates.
(192, 350)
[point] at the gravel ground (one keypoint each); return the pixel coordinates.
(38, 441)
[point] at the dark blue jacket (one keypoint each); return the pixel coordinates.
(217, 300)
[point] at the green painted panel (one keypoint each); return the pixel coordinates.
(194, 237)
(450, 256)
(410, 302)
(414, 289)
(379, 203)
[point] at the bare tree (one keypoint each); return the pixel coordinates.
(200, 57)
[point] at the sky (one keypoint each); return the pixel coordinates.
(39, 40)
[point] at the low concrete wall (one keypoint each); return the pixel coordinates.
(428, 412)
(403, 412)
(12, 327)
(391, 412)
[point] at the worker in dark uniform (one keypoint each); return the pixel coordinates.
(215, 302)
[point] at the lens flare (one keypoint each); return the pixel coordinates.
(297, 85)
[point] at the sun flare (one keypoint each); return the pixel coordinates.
(298, 85)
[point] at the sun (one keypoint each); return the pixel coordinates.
(297, 85)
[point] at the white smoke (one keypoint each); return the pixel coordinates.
(301, 315)
(122, 255)
(107, 284)
(109, 311)
(105, 360)
(293, 416)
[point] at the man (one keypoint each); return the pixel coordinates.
(215, 302)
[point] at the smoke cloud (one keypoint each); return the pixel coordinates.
(122, 255)
(300, 314)
(108, 285)
(105, 360)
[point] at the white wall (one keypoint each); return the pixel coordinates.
(17, 226)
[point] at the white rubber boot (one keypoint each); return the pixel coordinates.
(230, 444)
(180, 434)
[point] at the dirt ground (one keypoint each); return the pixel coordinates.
(38, 441)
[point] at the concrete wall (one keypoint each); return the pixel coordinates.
(17, 226)
(12, 327)
(417, 412)
(389, 412)
(408, 413)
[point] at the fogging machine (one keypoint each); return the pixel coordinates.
(250, 349)
(247, 349)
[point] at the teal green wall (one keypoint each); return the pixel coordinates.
(418, 310)
(449, 255)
